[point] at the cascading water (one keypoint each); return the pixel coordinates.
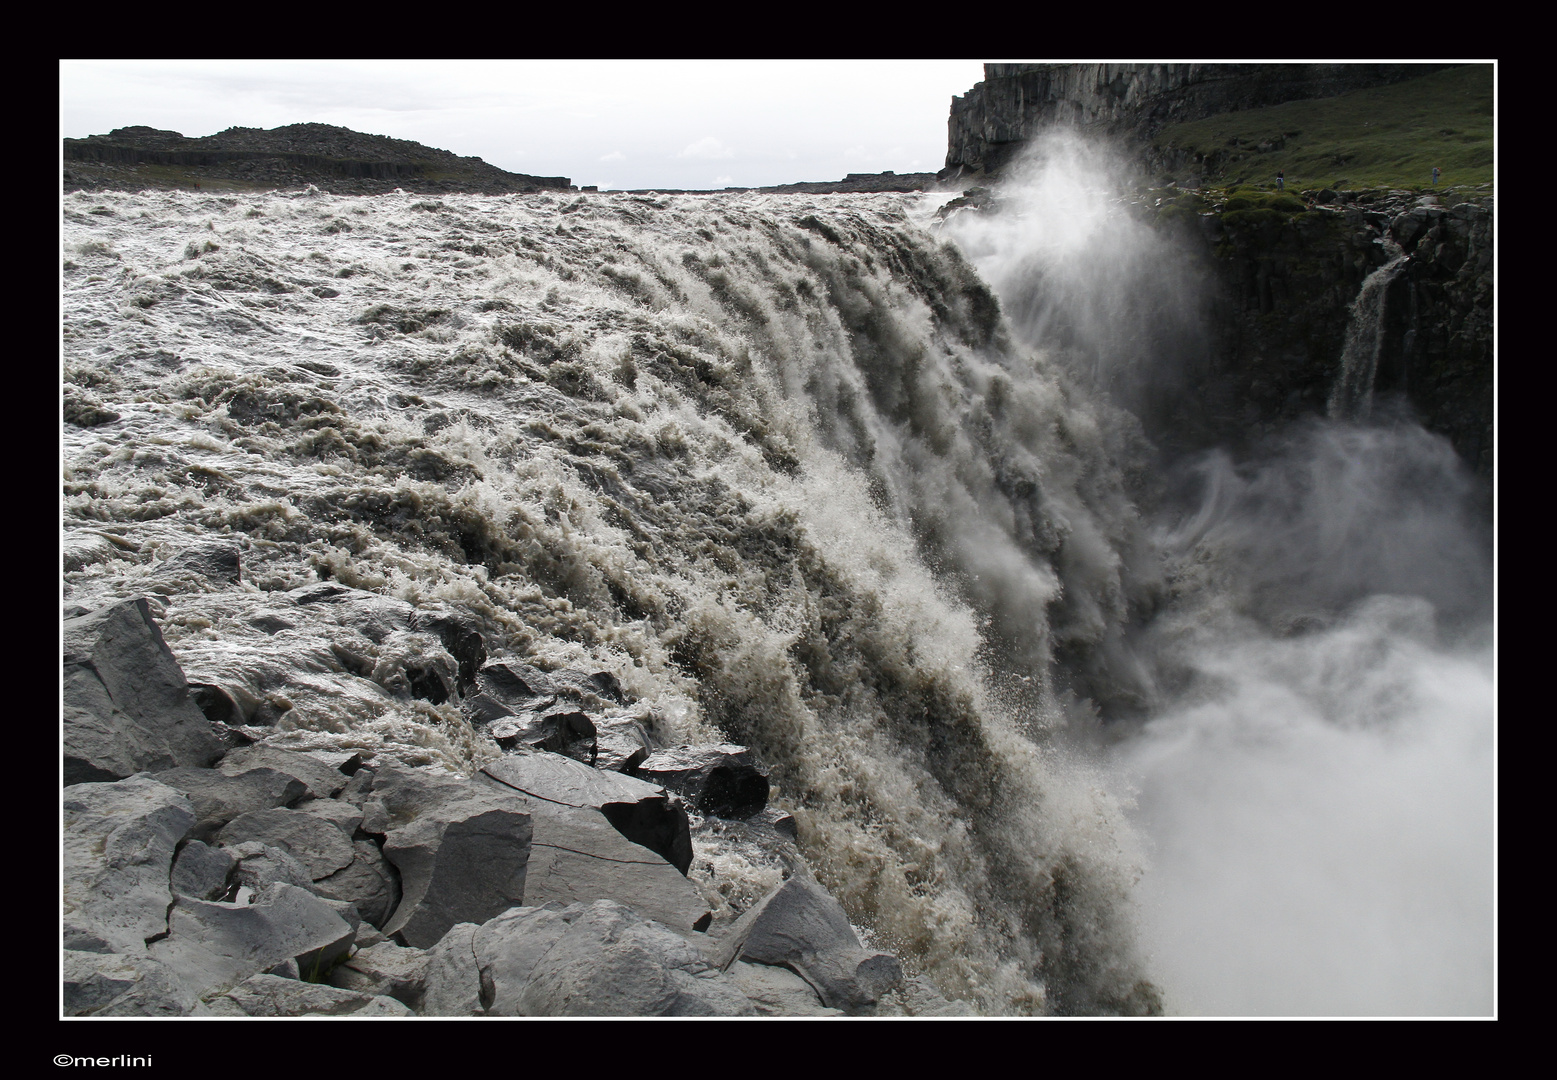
(773, 461)
(1351, 398)
(1313, 773)
(778, 463)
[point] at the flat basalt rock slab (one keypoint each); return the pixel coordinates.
(216, 945)
(322, 777)
(218, 797)
(314, 841)
(577, 856)
(642, 812)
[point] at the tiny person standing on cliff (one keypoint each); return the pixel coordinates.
(1435, 176)
(1281, 181)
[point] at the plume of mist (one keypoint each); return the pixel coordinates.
(1083, 277)
(1313, 770)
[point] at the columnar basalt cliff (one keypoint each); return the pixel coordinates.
(992, 122)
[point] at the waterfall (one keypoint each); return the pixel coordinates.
(782, 465)
(1351, 396)
(774, 461)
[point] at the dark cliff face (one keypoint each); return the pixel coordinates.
(332, 158)
(992, 121)
(1284, 288)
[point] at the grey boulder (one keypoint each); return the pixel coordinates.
(216, 945)
(451, 980)
(723, 781)
(370, 882)
(558, 730)
(119, 842)
(218, 797)
(320, 776)
(312, 840)
(621, 745)
(202, 872)
(576, 855)
(268, 995)
(120, 984)
(260, 865)
(461, 850)
(801, 927)
(608, 960)
(385, 970)
(776, 991)
(126, 704)
(642, 812)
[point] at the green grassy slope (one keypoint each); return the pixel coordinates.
(1389, 136)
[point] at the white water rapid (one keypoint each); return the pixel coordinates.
(781, 465)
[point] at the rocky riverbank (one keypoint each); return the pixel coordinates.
(210, 872)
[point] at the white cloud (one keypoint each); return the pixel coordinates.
(614, 155)
(708, 147)
(723, 181)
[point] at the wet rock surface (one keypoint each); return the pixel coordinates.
(544, 887)
(720, 781)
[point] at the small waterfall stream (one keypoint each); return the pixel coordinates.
(1351, 398)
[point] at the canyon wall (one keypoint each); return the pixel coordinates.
(994, 119)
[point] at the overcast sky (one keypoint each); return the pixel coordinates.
(670, 123)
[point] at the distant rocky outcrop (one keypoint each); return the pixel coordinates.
(852, 184)
(333, 159)
(992, 121)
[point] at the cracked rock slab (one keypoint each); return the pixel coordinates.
(642, 812)
(269, 995)
(462, 850)
(216, 945)
(119, 842)
(577, 856)
(126, 704)
(219, 797)
(315, 841)
(322, 779)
